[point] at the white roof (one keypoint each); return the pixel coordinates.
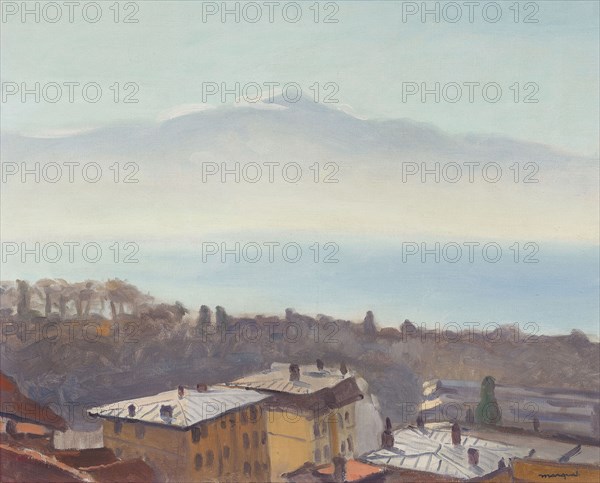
(432, 451)
(192, 408)
(277, 379)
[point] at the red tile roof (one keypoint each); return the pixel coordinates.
(355, 470)
(129, 471)
(14, 403)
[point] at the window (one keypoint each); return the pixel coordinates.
(326, 453)
(118, 427)
(347, 417)
(263, 437)
(343, 447)
(256, 468)
(340, 421)
(316, 430)
(140, 430)
(204, 430)
(196, 432)
(232, 420)
(223, 424)
(247, 470)
(317, 455)
(210, 458)
(226, 452)
(324, 427)
(243, 416)
(255, 439)
(253, 414)
(246, 440)
(198, 461)
(350, 444)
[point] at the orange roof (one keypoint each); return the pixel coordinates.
(131, 471)
(355, 470)
(15, 403)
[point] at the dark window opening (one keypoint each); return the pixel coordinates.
(317, 456)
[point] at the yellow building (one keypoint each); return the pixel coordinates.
(310, 416)
(203, 434)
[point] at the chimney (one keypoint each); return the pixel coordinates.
(473, 456)
(294, 372)
(420, 421)
(456, 434)
(131, 409)
(180, 392)
(388, 424)
(387, 437)
(201, 387)
(339, 469)
(320, 364)
(343, 369)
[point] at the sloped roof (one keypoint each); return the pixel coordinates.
(320, 402)
(355, 470)
(15, 404)
(277, 379)
(192, 408)
(431, 451)
(131, 471)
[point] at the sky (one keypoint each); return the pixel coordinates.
(369, 54)
(366, 61)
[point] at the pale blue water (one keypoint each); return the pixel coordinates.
(558, 293)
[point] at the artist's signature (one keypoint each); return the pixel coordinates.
(559, 475)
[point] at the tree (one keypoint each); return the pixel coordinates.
(369, 326)
(179, 311)
(205, 315)
(48, 286)
(24, 297)
(488, 411)
(221, 316)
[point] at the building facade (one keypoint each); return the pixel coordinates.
(310, 416)
(208, 434)
(254, 429)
